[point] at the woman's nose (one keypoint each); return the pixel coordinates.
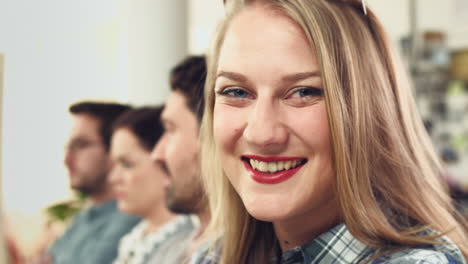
(265, 128)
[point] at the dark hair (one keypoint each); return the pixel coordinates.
(145, 123)
(189, 77)
(105, 113)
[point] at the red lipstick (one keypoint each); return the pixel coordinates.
(119, 195)
(271, 178)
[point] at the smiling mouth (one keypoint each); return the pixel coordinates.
(272, 166)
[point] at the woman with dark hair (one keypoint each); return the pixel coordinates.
(139, 186)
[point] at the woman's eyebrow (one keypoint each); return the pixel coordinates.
(290, 78)
(232, 76)
(295, 77)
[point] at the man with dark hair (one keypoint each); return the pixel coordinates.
(86, 155)
(95, 232)
(178, 149)
(188, 77)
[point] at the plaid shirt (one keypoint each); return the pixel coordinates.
(339, 246)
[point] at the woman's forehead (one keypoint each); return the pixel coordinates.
(262, 40)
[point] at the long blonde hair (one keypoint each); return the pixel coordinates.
(387, 174)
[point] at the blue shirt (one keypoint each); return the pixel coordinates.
(93, 237)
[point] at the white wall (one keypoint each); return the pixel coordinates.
(55, 53)
(448, 16)
(3, 253)
(394, 15)
(459, 24)
(204, 16)
(157, 36)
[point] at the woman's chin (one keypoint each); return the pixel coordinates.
(124, 208)
(267, 213)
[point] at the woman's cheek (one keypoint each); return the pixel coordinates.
(227, 126)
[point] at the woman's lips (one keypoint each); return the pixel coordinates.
(119, 195)
(283, 172)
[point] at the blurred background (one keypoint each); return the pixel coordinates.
(55, 52)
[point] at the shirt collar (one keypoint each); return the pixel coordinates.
(101, 209)
(337, 245)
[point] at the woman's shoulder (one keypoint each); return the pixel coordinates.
(437, 254)
(411, 256)
(206, 254)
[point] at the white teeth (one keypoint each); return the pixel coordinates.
(262, 166)
(273, 167)
(280, 165)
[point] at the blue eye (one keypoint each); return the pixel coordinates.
(235, 92)
(307, 91)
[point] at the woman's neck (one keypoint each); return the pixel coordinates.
(158, 217)
(301, 229)
(204, 216)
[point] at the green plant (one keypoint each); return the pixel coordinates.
(64, 211)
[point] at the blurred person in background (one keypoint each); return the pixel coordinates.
(178, 151)
(95, 232)
(13, 253)
(137, 181)
(10, 251)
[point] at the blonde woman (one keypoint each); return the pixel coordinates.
(313, 151)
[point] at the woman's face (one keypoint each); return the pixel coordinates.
(135, 178)
(270, 121)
